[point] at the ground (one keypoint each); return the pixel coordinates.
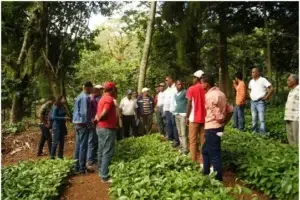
(22, 147)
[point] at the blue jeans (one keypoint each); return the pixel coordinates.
(171, 127)
(258, 110)
(59, 134)
(92, 146)
(45, 136)
(239, 117)
(211, 152)
(106, 146)
(82, 135)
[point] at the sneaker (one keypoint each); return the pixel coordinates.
(109, 180)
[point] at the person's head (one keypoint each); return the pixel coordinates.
(145, 92)
(197, 76)
(61, 100)
(110, 87)
(88, 87)
(98, 90)
(157, 88)
(255, 73)
(179, 85)
(169, 81)
(238, 76)
(51, 100)
(129, 94)
(208, 81)
(135, 94)
(161, 87)
(292, 81)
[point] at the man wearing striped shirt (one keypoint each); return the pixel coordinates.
(145, 112)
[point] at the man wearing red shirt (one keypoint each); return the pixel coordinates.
(195, 114)
(106, 118)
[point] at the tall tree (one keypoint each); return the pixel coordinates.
(146, 50)
(268, 44)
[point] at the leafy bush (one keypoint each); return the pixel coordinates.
(12, 128)
(34, 180)
(268, 165)
(146, 168)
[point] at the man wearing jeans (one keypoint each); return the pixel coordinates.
(170, 118)
(195, 114)
(83, 124)
(178, 108)
(218, 114)
(93, 139)
(260, 90)
(239, 116)
(106, 119)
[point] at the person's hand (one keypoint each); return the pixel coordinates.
(67, 118)
(47, 126)
(264, 98)
(155, 109)
(187, 122)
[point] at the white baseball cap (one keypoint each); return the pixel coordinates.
(198, 73)
(145, 90)
(98, 87)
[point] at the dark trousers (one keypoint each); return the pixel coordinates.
(239, 117)
(45, 136)
(211, 152)
(129, 121)
(92, 146)
(59, 134)
(171, 127)
(161, 121)
(145, 125)
(82, 136)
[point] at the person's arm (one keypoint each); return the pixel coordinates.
(188, 106)
(103, 114)
(42, 114)
(229, 113)
(235, 85)
(242, 93)
(269, 93)
(121, 107)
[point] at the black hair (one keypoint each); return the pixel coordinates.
(57, 102)
(207, 78)
(88, 84)
(238, 75)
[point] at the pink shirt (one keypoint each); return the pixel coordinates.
(197, 95)
(216, 108)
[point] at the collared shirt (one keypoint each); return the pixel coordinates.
(258, 88)
(160, 99)
(196, 94)
(292, 105)
(240, 93)
(169, 95)
(216, 108)
(128, 106)
(107, 103)
(82, 109)
(44, 111)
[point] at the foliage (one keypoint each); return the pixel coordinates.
(35, 179)
(14, 128)
(146, 168)
(269, 166)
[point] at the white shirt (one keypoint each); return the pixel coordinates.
(160, 99)
(128, 106)
(292, 105)
(169, 95)
(258, 88)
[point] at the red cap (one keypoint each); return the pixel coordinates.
(109, 85)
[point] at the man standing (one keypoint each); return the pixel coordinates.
(260, 90)
(128, 108)
(93, 139)
(170, 118)
(159, 109)
(83, 124)
(291, 115)
(145, 112)
(106, 119)
(195, 114)
(239, 116)
(218, 114)
(179, 110)
(45, 126)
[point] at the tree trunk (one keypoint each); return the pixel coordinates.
(277, 81)
(268, 52)
(16, 113)
(146, 50)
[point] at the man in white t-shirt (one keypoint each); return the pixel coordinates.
(128, 108)
(260, 90)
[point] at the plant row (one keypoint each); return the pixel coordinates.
(146, 168)
(269, 166)
(35, 179)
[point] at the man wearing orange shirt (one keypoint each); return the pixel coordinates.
(238, 115)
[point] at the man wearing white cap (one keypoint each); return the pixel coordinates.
(145, 112)
(93, 139)
(195, 114)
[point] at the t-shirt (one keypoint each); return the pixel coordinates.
(197, 94)
(169, 97)
(146, 105)
(110, 120)
(258, 88)
(160, 99)
(240, 93)
(128, 106)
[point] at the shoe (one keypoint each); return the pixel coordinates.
(83, 172)
(109, 180)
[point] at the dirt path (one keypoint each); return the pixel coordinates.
(87, 187)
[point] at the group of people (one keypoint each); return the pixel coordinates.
(192, 119)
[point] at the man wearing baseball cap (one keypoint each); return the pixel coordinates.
(145, 112)
(195, 114)
(93, 139)
(106, 119)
